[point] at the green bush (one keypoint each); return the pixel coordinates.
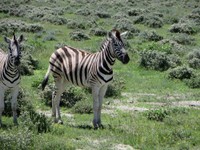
(102, 14)
(135, 12)
(188, 28)
(150, 36)
(8, 26)
(78, 36)
(160, 61)
(161, 114)
(55, 19)
(98, 32)
(184, 39)
(181, 72)
(154, 21)
(84, 106)
(72, 24)
(69, 97)
(194, 59)
(193, 82)
(20, 140)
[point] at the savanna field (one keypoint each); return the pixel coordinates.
(153, 102)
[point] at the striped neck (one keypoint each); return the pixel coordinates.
(107, 52)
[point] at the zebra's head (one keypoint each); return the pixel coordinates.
(14, 48)
(118, 46)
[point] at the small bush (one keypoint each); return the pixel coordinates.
(154, 21)
(116, 87)
(161, 114)
(21, 140)
(194, 59)
(135, 12)
(83, 107)
(151, 36)
(184, 39)
(55, 19)
(183, 28)
(8, 26)
(78, 36)
(98, 32)
(69, 97)
(84, 12)
(102, 14)
(193, 82)
(76, 25)
(160, 61)
(181, 73)
(126, 25)
(28, 64)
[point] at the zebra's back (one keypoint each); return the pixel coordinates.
(73, 64)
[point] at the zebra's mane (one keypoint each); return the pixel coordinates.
(104, 44)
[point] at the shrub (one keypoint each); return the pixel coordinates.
(151, 35)
(135, 12)
(181, 72)
(55, 19)
(154, 21)
(78, 36)
(83, 107)
(115, 88)
(194, 59)
(126, 25)
(98, 32)
(183, 28)
(193, 82)
(161, 114)
(195, 16)
(50, 37)
(76, 25)
(8, 26)
(21, 140)
(84, 12)
(158, 60)
(69, 97)
(184, 39)
(102, 14)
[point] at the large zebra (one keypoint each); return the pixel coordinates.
(81, 68)
(9, 73)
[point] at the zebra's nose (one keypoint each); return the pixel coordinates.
(17, 61)
(125, 59)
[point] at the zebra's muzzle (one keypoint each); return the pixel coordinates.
(17, 61)
(125, 59)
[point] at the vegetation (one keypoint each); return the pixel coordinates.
(153, 102)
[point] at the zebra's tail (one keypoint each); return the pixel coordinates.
(46, 78)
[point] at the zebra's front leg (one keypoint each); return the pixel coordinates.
(96, 107)
(14, 93)
(2, 91)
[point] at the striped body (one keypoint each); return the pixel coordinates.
(81, 68)
(9, 74)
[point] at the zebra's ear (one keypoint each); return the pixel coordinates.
(20, 39)
(7, 40)
(124, 34)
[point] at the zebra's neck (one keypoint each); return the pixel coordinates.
(10, 67)
(107, 53)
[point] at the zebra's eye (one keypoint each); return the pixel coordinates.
(115, 44)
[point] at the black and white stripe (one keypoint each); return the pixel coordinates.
(9, 73)
(81, 68)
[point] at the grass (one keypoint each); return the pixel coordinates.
(123, 127)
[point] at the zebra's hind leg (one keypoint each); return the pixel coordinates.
(2, 91)
(15, 93)
(59, 89)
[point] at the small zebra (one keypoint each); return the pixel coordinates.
(72, 65)
(9, 74)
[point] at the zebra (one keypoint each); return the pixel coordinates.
(9, 74)
(81, 68)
